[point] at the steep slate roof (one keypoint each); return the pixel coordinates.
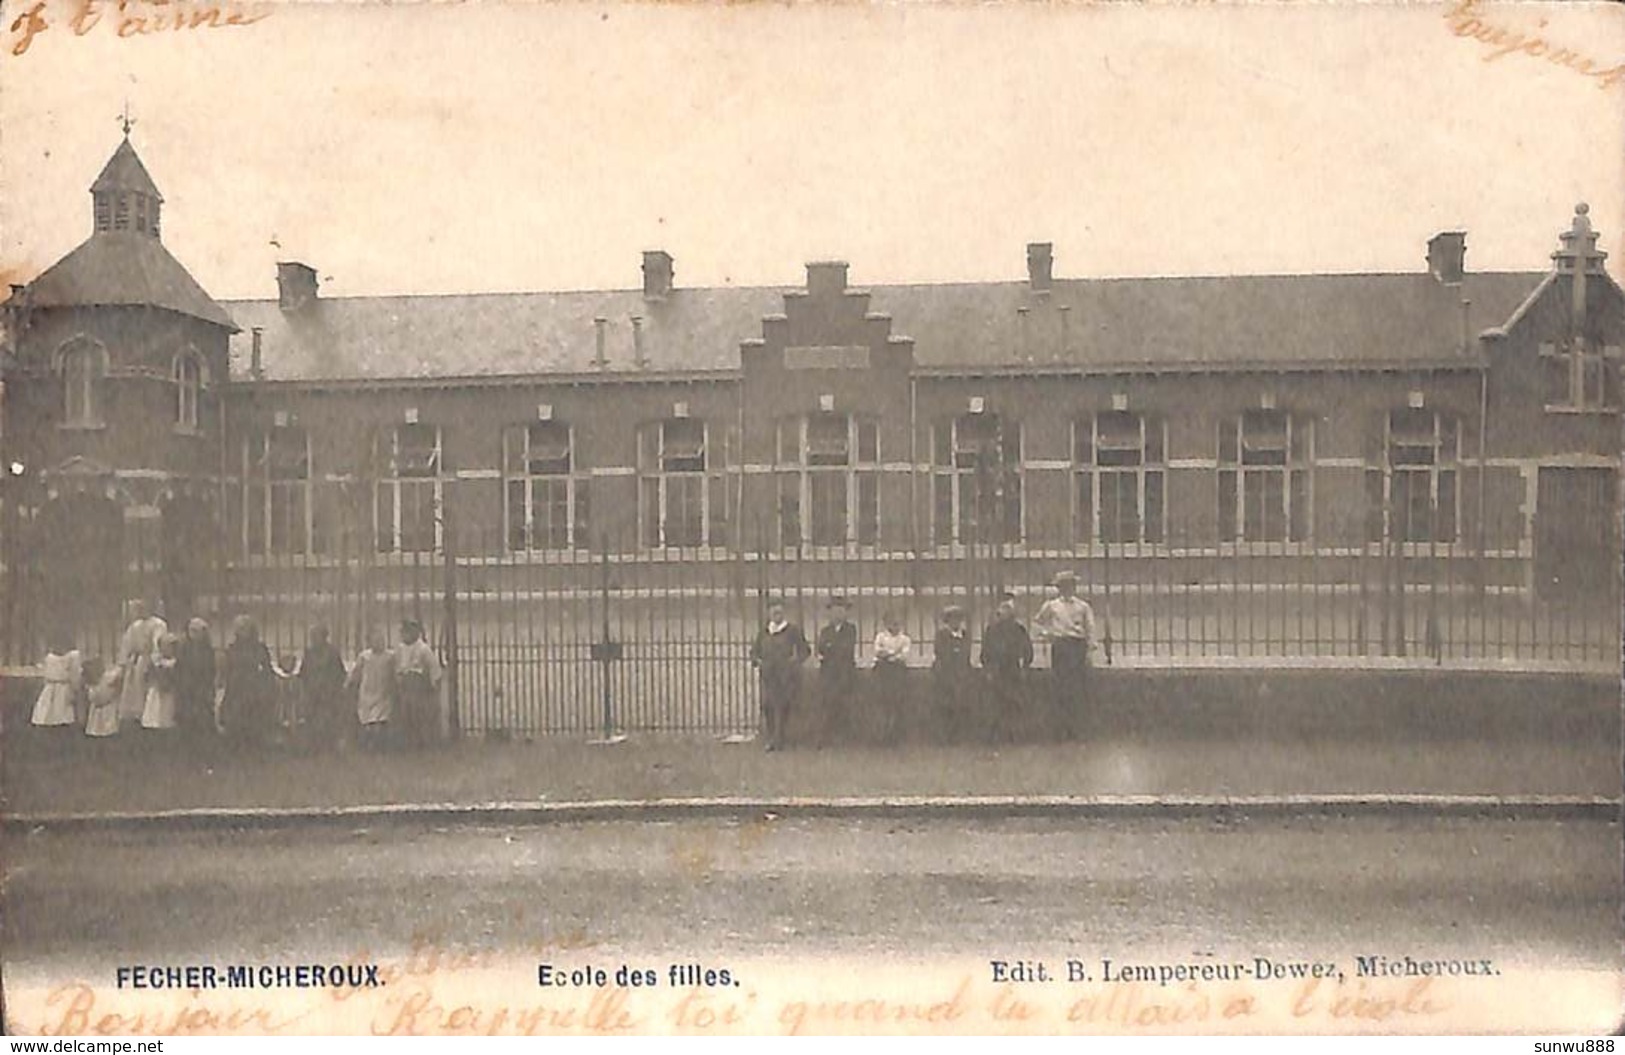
(124, 268)
(1314, 321)
(124, 171)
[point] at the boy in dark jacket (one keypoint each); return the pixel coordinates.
(837, 669)
(778, 653)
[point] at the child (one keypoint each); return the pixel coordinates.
(892, 648)
(162, 689)
(951, 668)
(64, 679)
(105, 686)
(373, 676)
(321, 678)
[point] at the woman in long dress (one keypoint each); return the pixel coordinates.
(248, 707)
(194, 681)
(162, 690)
(63, 671)
(135, 657)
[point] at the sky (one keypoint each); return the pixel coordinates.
(459, 147)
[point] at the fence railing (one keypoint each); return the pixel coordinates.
(611, 637)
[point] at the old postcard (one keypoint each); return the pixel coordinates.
(609, 518)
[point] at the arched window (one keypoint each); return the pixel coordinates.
(1118, 475)
(1412, 496)
(188, 376)
(829, 480)
(1264, 493)
(682, 495)
(976, 480)
(544, 494)
(83, 365)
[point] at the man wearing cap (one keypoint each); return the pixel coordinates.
(837, 669)
(778, 653)
(1068, 624)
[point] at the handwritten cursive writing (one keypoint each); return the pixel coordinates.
(1502, 39)
(130, 18)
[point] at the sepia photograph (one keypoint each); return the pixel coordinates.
(909, 519)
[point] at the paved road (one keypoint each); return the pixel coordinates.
(1544, 890)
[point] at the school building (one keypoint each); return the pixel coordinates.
(848, 420)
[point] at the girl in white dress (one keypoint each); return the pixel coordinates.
(104, 696)
(64, 673)
(159, 712)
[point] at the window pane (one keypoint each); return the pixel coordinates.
(582, 537)
(1265, 514)
(287, 527)
(942, 441)
(1227, 505)
(517, 536)
(549, 514)
(649, 492)
(417, 516)
(288, 456)
(1444, 525)
(1083, 441)
(1120, 506)
(1299, 513)
(1083, 512)
(1302, 432)
(942, 508)
(827, 440)
(828, 508)
(417, 452)
(1373, 505)
(1010, 527)
(1449, 430)
(1153, 507)
(789, 509)
(254, 509)
(1153, 442)
(384, 514)
(868, 442)
(1557, 372)
(868, 508)
(549, 453)
(685, 510)
(721, 500)
(1228, 442)
(1263, 437)
(683, 446)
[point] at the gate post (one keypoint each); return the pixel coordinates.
(606, 651)
(448, 632)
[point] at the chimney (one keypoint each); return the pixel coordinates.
(657, 274)
(638, 353)
(1040, 266)
(256, 360)
(1447, 257)
(826, 278)
(599, 358)
(295, 285)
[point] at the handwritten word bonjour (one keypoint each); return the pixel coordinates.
(1501, 40)
(129, 18)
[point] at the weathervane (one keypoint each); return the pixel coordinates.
(125, 120)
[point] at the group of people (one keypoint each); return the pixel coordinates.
(168, 684)
(961, 695)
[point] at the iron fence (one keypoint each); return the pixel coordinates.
(614, 637)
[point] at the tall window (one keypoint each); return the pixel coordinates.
(1118, 477)
(1581, 375)
(976, 480)
(829, 480)
(681, 505)
(104, 211)
(188, 387)
(84, 365)
(407, 500)
(1413, 496)
(1264, 458)
(276, 505)
(545, 499)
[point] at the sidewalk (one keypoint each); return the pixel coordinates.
(67, 775)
